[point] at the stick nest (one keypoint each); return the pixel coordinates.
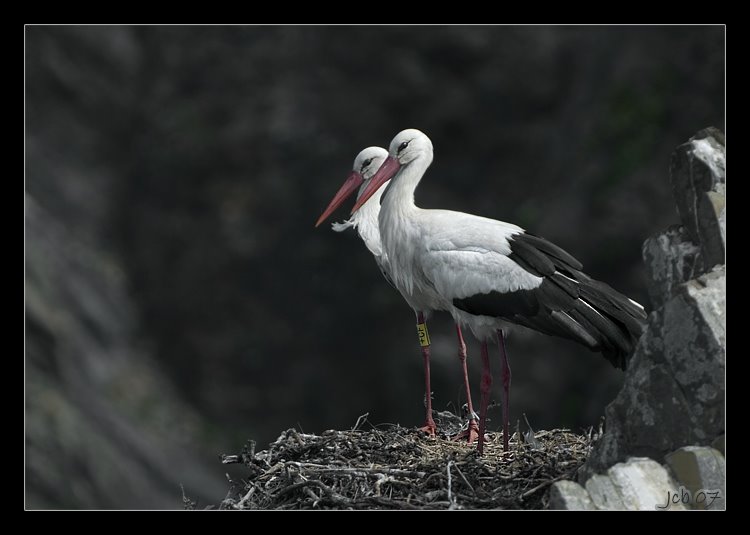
(391, 467)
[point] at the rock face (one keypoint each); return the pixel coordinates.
(685, 251)
(672, 259)
(102, 430)
(674, 391)
(697, 173)
(672, 403)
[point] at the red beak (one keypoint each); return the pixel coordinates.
(389, 168)
(353, 181)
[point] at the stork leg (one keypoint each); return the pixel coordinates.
(472, 432)
(484, 388)
(429, 426)
(505, 376)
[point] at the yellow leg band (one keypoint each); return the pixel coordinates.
(424, 336)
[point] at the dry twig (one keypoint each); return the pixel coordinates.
(395, 468)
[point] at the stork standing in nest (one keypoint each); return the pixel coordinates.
(365, 221)
(489, 273)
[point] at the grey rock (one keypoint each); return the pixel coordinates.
(694, 479)
(702, 471)
(644, 484)
(720, 444)
(674, 391)
(638, 484)
(671, 259)
(604, 493)
(569, 495)
(698, 176)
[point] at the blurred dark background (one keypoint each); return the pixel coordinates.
(178, 299)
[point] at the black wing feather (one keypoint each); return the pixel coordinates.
(607, 321)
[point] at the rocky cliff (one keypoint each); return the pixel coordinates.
(674, 392)
(103, 427)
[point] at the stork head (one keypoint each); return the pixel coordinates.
(407, 146)
(366, 164)
(369, 161)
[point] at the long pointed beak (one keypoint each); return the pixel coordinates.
(352, 182)
(387, 170)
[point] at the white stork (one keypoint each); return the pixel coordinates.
(365, 221)
(489, 272)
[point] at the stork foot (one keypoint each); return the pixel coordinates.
(470, 434)
(429, 427)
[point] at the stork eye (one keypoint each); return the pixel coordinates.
(366, 163)
(403, 146)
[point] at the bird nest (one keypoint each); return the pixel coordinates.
(391, 467)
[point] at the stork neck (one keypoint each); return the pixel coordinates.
(399, 201)
(366, 221)
(400, 230)
(399, 216)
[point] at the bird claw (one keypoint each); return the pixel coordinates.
(430, 428)
(469, 434)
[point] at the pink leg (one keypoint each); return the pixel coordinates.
(485, 387)
(429, 426)
(505, 376)
(472, 432)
